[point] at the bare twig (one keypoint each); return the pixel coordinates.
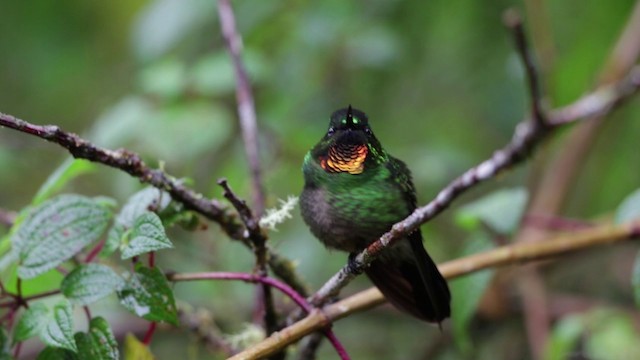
(246, 106)
(502, 256)
(526, 137)
(514, 22)
(259, 240)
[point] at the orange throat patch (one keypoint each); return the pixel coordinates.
(347, 158)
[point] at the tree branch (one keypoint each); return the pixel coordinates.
(132, 164)
(527, 135)
(502, 256)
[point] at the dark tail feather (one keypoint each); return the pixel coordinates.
(410, 280)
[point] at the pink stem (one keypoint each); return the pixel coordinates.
(95, 251)
(251, 278)
(149, 334)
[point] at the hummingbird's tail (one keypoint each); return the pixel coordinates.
(410, 280)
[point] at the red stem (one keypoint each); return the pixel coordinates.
(95, 251)
(149, 334)
(88, 313)
(16, 351)
(152, 259)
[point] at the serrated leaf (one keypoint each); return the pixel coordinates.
(32, 322)
(89, 283)
(54, 353)
(56, 230)
(66, 172)
(467, 292)
(147, 235)
(140, 203)
(114, 238)
(99, 343)
(148, 295)
(136, 350)
(629, 209)
(59, 330)
(500, 210)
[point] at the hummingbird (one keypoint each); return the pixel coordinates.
(354, 192)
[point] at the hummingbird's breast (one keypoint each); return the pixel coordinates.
(348, 213)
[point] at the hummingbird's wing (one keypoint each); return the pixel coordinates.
(407, 275)
(410, 280)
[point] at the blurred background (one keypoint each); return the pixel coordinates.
(443, 88)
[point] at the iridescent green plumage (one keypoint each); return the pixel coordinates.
(354, 192)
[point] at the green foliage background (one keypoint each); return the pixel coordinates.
(440, 81)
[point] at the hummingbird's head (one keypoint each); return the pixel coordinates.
(349, 144)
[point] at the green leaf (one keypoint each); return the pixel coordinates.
(89, 283)
(500, 210)
(32, 322)
(138, 204)
(467, 292)
(55, 353)
(56, 230)
(629, 209)
(147, 235)
(67, 171)
(148, 295)
(136, 350)
(564, 337)
(99, 343)
(4, 345)
(59, 330)
(635, 279)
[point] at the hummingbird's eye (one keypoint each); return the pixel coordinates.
(330, 131)
(367, 130)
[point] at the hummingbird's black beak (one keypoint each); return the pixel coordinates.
(350, 123)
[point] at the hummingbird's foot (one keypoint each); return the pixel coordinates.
(353, 266)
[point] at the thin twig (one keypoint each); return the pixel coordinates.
(246, 106)
(259, 241)
(507, 255)
(513, 21)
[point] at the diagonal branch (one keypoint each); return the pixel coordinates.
(132, 164)
(507, 255)
(527, 135)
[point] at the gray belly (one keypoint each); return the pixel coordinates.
(338, 226)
